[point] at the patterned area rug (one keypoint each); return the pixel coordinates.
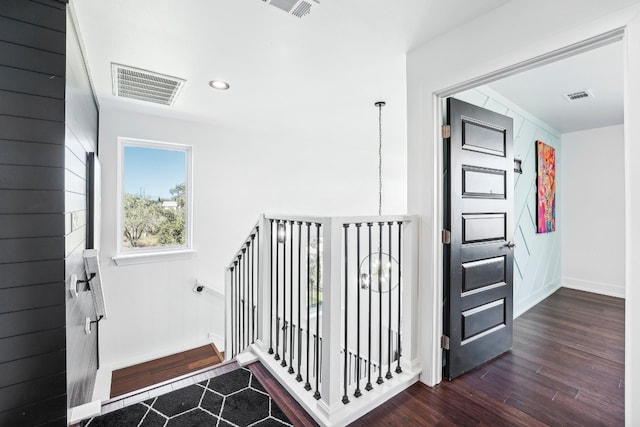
(232, 399)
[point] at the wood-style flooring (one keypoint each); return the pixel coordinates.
(566, 368)
(146, 374)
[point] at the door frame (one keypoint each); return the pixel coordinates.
(615, 35)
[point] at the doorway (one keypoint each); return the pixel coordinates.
(538, 271)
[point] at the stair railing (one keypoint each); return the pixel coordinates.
(330, 304)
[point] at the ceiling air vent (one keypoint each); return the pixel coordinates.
(143, 85)
(577, 96)
(297, 8)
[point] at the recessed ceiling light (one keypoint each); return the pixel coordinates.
(219, 84)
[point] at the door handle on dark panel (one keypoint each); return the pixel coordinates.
(510, 245)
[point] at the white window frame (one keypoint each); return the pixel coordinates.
(126, 256)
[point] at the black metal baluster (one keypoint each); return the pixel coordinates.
(368, 387)
(345, 397)
(277, 356)
(233, 326)
(380, 380)
(299, 376)
(316, 395)
(285, 324)
(358, 393)
(389, 285)
(307, 386)
(398, 368)
(271, 289)
(243, 277)
(238, 268)
(291, 371)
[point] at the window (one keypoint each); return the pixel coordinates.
(154, 198)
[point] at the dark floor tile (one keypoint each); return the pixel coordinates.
(256, 384)
(270, 422)
(276, 412)
(246, 407)
(195, 418)
(153, 419)
(179, 401)
(230, 382)
(129, 416)
(212, 402)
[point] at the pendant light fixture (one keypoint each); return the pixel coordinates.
(381, 262)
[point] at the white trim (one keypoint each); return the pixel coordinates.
(594, 287)
(147, 257)
(434, 369)
(140, 255)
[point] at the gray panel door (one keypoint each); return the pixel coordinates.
(478, 266)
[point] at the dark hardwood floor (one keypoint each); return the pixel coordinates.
(566, 368)
(166, 368)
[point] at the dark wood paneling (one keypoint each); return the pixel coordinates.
(35, 249)
(31, 391)
(32, 278)
(27, 58)
(37, 414)
(35, 225)
(30, 297)
(31, 154)
(26, 34)
(29, 321)
(31, 202)
(33, 13)
(31, 106)
(56, 4)
(31, 178)
(30, 273)
(566, 368)
(20, 346)
(35, 367)
(31, 130)
(22, 81)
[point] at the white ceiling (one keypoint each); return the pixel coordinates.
(286, 74)
(539, 91)
(323, 71)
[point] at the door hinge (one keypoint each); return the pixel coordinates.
(444, 342)
(446, 131)
(446, 237)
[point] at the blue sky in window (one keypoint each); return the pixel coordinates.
(153, 172)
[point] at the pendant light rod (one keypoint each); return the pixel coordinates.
(380, 104)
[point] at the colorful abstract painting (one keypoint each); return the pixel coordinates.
(546, 187)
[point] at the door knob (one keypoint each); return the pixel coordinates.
(510, 245)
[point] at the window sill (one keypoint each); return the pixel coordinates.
(148, 257)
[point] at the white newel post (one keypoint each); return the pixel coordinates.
(409, 329)
(264, 282)
(331, 316)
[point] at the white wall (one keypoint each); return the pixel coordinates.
(237, 175)
(592, 171)
(537, 265)
(516, 32)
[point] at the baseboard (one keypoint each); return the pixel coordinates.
(535, 299)
(83, 412)
(593, 287)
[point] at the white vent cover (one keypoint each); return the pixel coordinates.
(143, 85)
(578, 96)
(297, 8)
